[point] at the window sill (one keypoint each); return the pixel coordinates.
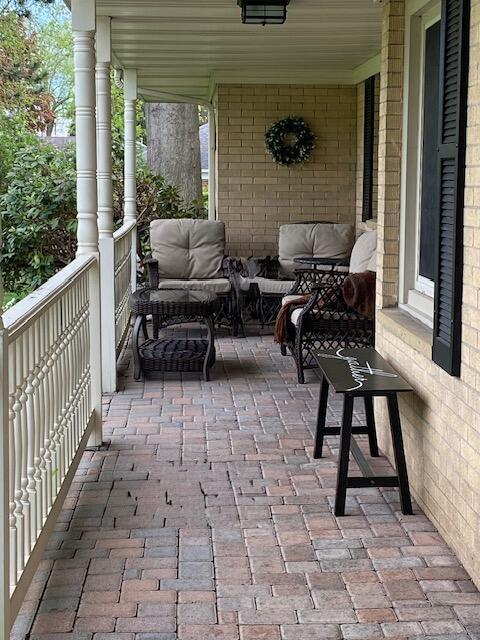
(411, 331)
(420, 306)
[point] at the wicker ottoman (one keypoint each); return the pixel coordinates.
(171, 306)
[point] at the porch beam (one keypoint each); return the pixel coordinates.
(84, 26)
(130, 161)
(105, 203)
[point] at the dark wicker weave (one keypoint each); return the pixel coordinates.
(175, 355)
(325, 322)
(267, 305)
(228, 312)
(174, 303)
(173, 306)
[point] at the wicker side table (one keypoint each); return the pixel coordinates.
(173, 354)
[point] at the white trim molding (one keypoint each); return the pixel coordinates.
(367, 69)
(416, 293)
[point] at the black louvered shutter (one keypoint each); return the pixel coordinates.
(451, 154)
(368, 148)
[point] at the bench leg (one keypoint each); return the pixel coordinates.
(399, 453)
(137, 364)
(342, 471)
(321, 419)
(372, 434)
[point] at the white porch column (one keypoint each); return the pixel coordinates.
(83, 25)
(130, 96)
(105, 203)
(212, 164)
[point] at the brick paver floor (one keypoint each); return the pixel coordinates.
(204, 517)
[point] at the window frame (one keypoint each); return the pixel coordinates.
(417, 293)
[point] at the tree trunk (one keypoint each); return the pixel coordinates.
(173, 147)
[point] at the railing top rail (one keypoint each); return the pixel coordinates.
(124, 229)
(22, 314)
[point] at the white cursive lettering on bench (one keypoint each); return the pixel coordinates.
(359, 372)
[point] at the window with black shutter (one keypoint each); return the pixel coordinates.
(454, 43)
(368, 148)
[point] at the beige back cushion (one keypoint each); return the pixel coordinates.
(188, 249)
(364, 253)
(319, 240)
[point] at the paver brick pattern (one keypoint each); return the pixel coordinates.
(205, 517)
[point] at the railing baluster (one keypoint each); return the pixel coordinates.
(13, 537)
(49, 404)
(17, 407)
(30, 433)
(38, 428)
(24, 457)
(123, 247)
(57, 395)
(40, 422)
(50, 410)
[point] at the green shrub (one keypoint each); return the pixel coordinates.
(14, 135)
(155, 198)
(39, 211)
(39, 222)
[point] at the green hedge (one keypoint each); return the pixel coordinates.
(38, 209)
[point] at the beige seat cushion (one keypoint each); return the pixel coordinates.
(319, 240)
(214, 285)
(364, 253)
(292, 298)
(295, 316)
(273, 286)
(188, 249)
(326, 315)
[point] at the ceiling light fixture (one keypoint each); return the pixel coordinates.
(261, 12)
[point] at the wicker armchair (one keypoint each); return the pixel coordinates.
(271, 278)
(325, 321)
(190, 254)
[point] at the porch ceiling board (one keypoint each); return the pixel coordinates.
(186, 46)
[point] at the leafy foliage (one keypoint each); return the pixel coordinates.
(39, 220)
(22, 8)
(23, 90)
(13, 136)
(56, 44)
(39, 211)
(155, 198)
(37, 181)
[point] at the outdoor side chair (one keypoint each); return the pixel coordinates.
(271, 278)
(325, 321)
(190, 254)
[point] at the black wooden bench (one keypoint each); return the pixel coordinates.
(361, 373)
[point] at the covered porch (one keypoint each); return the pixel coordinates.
(177, 508)
(204, 516)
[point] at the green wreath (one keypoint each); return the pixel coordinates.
(290, 141)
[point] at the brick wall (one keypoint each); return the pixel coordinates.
(441, 420)
(255, 195)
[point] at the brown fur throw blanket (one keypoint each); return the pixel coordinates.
(359, 292)
(281, 323)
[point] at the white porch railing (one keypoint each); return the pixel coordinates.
(51, 412)
(124, 269)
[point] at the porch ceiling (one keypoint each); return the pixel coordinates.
(185, 47)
